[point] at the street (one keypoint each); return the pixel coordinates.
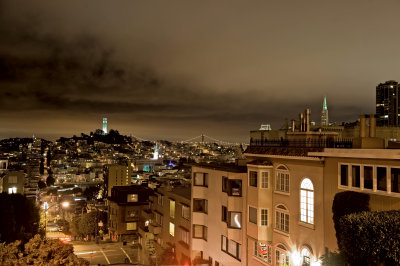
(107, 253)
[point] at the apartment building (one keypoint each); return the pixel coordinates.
(219, 213)
(170, 226)
(117, 175)
(128, 208)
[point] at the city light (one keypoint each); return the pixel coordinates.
(65, 204)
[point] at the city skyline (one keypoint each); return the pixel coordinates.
(177, 70)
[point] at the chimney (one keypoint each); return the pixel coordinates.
(293, 125)
(372, 126)
(363, 126)
(307, 122)
(301, 122)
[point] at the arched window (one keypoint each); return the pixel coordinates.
(282, 219)
(282, 179)
(307, 201)
(281, 255)
(305, 257)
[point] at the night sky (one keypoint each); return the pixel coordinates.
(176, 69)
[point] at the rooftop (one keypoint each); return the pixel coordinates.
(283, 151)
(223, 167)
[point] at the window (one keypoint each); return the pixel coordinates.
(281, 256)
(355, 176)
(253, 179)
(131, 226)
(235, 187)
(282, 179)
(185, 212)
(184, 235)
(381, 178)
(282, 219)
(264, 179)
(224, 214)
(395, 173)
(305, 256)
(160, 199)
(224, 241)
(234, 249)
(231, 247)
(132, 197)
(307, 201)
(264, 217)
(200, 205)
(199, 231)
(368, 177)
(344, 175)
(12, 190)
(200, 179)
(263, 251)
(159, 218)
(133, 214)
(235, 220)
(172, 229)
(252, 215)
(172, 208)
(224, 184)
(12, 179)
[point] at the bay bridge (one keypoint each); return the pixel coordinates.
(201, 139)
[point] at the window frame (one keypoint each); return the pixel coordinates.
(265, 179)
(204, 178)
(282, 180)
(253, 176)
(205, 211)
(230, 217)
(204, 232)
(256, 220)
(264, 222)
(285, 213)
(309, 207)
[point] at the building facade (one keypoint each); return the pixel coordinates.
(387, 103)
(219, 215)
(117, 175)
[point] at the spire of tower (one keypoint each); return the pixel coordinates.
(324, 106)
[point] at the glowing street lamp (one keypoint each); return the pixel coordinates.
(65, 204)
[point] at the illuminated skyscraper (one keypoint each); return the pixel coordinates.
(105, 126)
(387, 104)
(324, 114)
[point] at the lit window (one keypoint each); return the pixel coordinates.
(307, 201)
(281, 256)
(132, 197)
(12, 190)
(264, 179)
(252, 215)
(282, 219)
(305, 256)
(235, 220)
(263, 251)
(282, 179)
(131, 226)
(253, 178)
(185, 212)
(264, 217)
(172, 229)
(172, 208)
(159, 217)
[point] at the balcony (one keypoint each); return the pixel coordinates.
(154, 229)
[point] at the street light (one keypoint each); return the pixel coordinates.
(65, 204)
(46, 207)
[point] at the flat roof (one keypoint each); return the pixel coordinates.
(359, 153)
(223, 167)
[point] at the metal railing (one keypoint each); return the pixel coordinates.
(310, 143)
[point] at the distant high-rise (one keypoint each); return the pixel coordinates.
(105, 126)
(387, 104)
(324, 114)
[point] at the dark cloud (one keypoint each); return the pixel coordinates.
(190, 66)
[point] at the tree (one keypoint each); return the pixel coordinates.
(50, 180)
(41, 184)
(20, 218)
(88, 222)
(64, 224)
(344, 203)
(39, 252)
(91, 193)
